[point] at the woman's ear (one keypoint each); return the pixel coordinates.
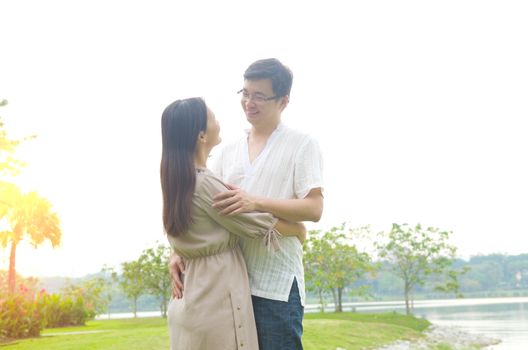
(202, 137)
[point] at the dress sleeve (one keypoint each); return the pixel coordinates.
(308, 168)
(251, 225)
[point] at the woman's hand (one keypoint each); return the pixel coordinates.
(302, 232)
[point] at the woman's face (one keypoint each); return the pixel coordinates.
(212, 134)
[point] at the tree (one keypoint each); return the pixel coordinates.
(332, 264)
(316, 265)
(156, 276)
(107, 282)
(8, 164)
(26, 216)
(132, 282)
(21, 214)
(415, 253)
(92, 294)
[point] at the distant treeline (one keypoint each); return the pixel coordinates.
(488, 276)
(119, 302)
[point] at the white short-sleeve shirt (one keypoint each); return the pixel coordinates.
(289, 166)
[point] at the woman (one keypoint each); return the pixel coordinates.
(215, 311)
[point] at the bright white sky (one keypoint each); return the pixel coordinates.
(419, 108)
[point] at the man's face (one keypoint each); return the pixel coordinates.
(259, 110)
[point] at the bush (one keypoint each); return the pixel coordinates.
(61, 310)
(25, 313)
(21, 315)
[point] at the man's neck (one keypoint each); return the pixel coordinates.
(263, 131)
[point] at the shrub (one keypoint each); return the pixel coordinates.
(60, 310)
(21, 315)
(25, 313)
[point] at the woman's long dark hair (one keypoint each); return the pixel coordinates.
(181, 123)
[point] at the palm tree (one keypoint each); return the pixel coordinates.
(8, 165)
(25, 216)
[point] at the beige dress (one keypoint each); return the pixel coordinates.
(215, 312)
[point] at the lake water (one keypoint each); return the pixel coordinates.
(506, 320)
(500, 318)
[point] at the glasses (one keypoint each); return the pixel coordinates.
(256, 98)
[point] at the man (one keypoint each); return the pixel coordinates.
(278, 170)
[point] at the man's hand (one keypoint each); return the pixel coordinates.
(176, 270)
(234, 201)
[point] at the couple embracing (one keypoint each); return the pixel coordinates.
(236, 229)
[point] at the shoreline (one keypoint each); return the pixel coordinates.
(437, 335)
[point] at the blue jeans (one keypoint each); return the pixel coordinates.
(279, 323)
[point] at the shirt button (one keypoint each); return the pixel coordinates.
(239, 326)
(241, 344)
(238, 307)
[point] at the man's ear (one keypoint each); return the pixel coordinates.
(284, 102)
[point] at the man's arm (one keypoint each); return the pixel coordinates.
(236, 201)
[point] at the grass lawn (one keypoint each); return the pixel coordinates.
(326, 331)
(353, 331)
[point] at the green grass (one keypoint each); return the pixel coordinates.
(349, 331)
(352, 331)
(129, 334)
